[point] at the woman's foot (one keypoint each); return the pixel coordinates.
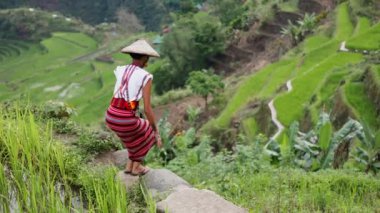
(128, 167)
(139, 170)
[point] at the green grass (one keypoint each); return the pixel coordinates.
(290, 6)
(344, 26)
(79, 39)
(317, 56)
(376, 72)
(52, 53)
(32, 164)
(311, 70)
(298, 191)
(291, 105)
(330, 85)
(369, 40)
(364, 109)
(9, 48)
(315, 42)
(246, 179)
(310, 74)
(30, 70)
(363, 25)
(259, 85)
(250, 127)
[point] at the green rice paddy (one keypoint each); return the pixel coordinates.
(37, 173)
(344, 25)
(54, 70)
(357, 98)
(314, 72)
(363, 25)
(290, 106)
(261, 85)
(368, 40)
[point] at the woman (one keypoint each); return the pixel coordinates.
(133, 83)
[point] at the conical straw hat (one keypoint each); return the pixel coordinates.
(140, 47)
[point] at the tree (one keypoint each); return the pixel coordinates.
(183, 6)
(192, 41)
(128, 21)
(228, 10)
(204, 83)
(152, 13)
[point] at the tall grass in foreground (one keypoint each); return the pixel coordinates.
(290, 190)
(36, 172)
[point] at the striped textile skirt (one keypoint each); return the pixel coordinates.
(136, 134)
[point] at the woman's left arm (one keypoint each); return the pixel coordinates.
(149, 111)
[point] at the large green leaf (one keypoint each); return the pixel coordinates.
(377, 140)
(293, 130)
(325, 136)
(350, 129)
(376, 165)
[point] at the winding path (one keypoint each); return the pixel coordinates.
(273, 112)
(343, 47)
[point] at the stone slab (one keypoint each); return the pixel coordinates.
(161, 182)
(128, 180)
(191, 200)
(120, 158)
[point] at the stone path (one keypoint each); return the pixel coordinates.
(174, 195)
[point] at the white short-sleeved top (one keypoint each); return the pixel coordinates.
(134, 84)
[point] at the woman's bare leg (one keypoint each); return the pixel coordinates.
(138, 168)
(129, 165)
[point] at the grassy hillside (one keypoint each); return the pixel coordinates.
(316, 70)
(323, 170)
(61, 68)
(29, 70)
(41, 174)
(29, 24)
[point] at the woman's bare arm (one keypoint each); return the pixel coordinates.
(147, 105)
(149, 112)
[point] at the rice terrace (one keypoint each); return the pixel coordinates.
(259, 106)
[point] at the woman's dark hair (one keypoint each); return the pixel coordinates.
(136, 56)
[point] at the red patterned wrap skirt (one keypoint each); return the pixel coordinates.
(136, 133)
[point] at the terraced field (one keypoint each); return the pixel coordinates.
(60, 68)
(261, 85)
(316, 73)
(367, 40)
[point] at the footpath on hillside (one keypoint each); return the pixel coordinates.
(169, 192)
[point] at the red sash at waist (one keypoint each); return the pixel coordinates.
(121, 103)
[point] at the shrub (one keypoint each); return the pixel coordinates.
(192, 41)
(54, 109)
(298, 31)
(93, 142)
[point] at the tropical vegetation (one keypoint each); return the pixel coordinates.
(319, 72)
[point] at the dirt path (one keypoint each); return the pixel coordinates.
(273, 111)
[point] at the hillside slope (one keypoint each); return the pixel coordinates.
(317, 69)
(68, 66)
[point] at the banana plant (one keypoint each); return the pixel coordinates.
(316, 149)
(368, 153)
(348, 132)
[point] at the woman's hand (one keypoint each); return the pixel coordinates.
(158, 140)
